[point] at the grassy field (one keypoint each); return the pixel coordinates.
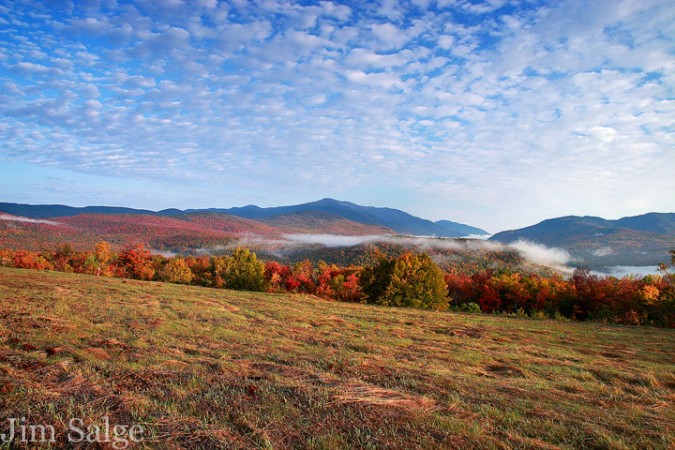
(206, 368)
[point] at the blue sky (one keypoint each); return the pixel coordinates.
(498, 114)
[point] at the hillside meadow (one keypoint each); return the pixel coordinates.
(210, 368)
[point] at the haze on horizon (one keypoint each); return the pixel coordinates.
(497, 114)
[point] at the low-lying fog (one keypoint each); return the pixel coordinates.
(553, 257)
(535, 253)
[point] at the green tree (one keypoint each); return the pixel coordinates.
(243, 271)
(408, 280)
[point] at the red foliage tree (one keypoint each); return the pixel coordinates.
(23, 259)
(302, 277)
(489, 300)
(136, 262)
(200, 266)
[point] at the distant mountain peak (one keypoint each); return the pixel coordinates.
(331, 201)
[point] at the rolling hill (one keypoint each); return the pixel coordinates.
(121, 230)
(601, 243)
(179, 233)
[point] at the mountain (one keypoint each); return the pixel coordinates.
(652, 222)
(394, 219)
(601, 243)
(459, 229)
(387, 219)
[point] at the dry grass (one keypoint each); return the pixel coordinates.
(369, 395)
(205, 368)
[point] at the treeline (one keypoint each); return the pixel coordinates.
(410, 279)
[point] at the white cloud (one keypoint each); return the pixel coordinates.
(604, 134)
(365, 58)
(30, 67)
(389, 35)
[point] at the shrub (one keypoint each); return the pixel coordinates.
(539, 315)
(470, 307)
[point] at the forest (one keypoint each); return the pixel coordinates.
(407, 279)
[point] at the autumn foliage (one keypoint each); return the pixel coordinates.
(408, 279)
(136, 263)
(584, 296)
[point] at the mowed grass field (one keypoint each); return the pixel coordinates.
(207, 368)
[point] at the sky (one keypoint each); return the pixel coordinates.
(498, 113)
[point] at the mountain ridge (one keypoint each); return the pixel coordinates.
(660, 223)
(636, 240)
(396, 220)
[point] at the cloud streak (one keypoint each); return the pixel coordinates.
(11, 218)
